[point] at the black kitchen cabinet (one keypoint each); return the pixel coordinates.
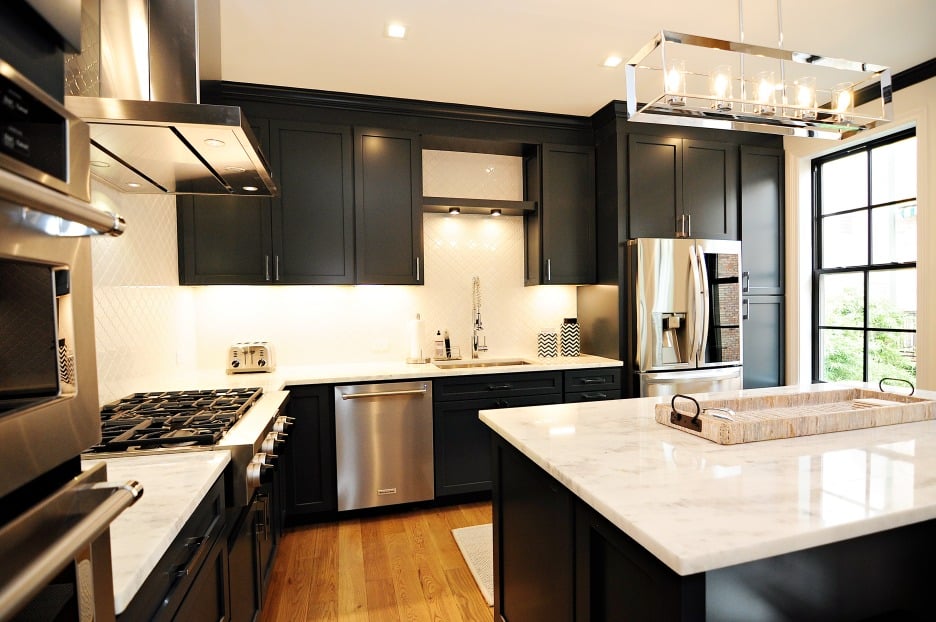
(309, 460)
(592, 385)
(763, 336)
(681, 187)
(762, 221)
(560, 234)
(388, 207)
(226, 240)
(313, 216)
(461, 442)
(303, 236)
(534, 541)
(190, 578)
(242, 556)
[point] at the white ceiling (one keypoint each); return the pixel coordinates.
(542, 55)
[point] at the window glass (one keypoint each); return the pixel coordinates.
(891, 355)
(893, 233)
(845, 240)
(893, 171)
(842, 354)
(845, 183)
(841, 299)
(892, 299)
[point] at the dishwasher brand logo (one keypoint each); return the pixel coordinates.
(386, 491)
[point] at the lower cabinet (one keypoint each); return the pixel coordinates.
(592, 385)
(461, 442)
(310, 483)
(763, 344)
(243, 564)
(190, 580)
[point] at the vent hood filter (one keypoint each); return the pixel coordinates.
(136, 84)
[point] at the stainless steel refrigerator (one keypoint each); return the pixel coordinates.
(685, 314)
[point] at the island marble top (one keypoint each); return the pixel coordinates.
(173, 486)
(699, 506)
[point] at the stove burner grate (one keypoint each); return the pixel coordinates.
(171, 418)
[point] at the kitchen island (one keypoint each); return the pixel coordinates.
(601, 513)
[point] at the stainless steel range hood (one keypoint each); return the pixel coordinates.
(136, 83)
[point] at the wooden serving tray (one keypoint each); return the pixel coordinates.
(764, 418)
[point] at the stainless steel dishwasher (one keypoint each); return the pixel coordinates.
(384, 444)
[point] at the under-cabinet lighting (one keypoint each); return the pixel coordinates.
(454, 211)
(214, 142)
(496, 212)
(250, 188)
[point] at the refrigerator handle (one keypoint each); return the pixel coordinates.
(694, 344)
(704, 295)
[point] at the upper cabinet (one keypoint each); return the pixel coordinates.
(680, 187)
(313, 217)
(303, 236)
(560, 235)
(762, 221)
(388, 207)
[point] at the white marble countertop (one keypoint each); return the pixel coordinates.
(345, 372)
(173, 486)
(698, 506)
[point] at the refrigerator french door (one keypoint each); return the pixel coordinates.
(686, 314)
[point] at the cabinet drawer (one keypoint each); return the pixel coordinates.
(604, 379)
(163, 591)
(592, 395)
(497, 385)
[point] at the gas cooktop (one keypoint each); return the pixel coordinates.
(171, 418)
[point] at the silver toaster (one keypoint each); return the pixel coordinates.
(250, 356)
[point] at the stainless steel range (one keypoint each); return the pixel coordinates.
(243, 421)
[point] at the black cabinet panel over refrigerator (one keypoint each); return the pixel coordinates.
(685, 307)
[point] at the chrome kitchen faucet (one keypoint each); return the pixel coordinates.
(478, 344)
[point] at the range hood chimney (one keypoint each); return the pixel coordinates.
(136, 84)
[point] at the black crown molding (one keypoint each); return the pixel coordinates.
(393, 105)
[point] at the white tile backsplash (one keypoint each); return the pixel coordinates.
(147, 324)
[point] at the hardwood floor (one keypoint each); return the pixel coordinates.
(400, 566)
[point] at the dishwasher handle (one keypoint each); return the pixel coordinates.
(354, 396)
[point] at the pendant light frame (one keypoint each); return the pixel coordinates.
(708, 110)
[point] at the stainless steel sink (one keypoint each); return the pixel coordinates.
(479, 363)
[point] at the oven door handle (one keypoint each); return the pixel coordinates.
(39, 560)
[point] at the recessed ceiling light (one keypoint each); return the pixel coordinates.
(99, 164)
(214, 142)
(250, 188)
(396, 31)
(235, 169)
(132, 184)
(613, 61)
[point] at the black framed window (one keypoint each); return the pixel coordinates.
(864, 261)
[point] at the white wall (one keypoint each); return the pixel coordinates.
(914, 106)
(147, 324)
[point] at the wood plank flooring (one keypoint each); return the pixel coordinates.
(399, 566)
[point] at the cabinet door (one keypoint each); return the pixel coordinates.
(534, 519)
(243, 568)
(710, 189)
(310, 481)
(762, 221)
(655, 181)
(313, 216)
(568, 215)
(388, 207)
(226, 240)
(207, 598)
(462, 443)
(763, 340)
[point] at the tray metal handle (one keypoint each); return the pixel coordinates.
(907, 382)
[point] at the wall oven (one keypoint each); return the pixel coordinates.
(53, 518)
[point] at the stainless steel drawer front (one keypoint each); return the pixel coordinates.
(383, 444)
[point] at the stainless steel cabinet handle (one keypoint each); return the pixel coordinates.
(745, 309)
(276, 273)
(688, 221)
(417, 268)
(354, 396)
(266, 267)
(745, 282)
(549, 269)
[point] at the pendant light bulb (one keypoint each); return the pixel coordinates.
(674, 78)
(720, 87)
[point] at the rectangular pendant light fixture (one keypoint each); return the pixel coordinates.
(684, 79)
